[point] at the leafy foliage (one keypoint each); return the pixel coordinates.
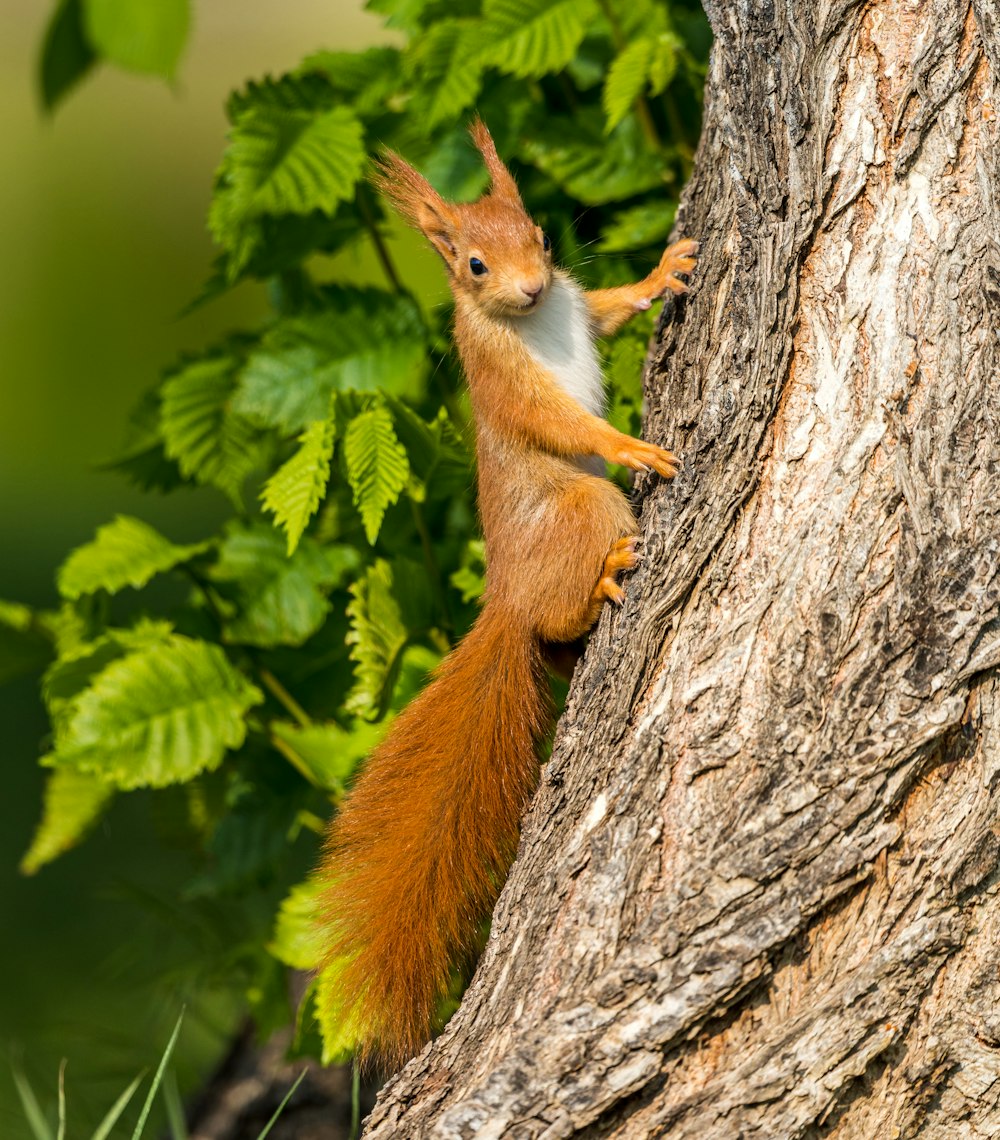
(338, 434)
(126, 552)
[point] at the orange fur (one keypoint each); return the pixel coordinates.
(417, 855)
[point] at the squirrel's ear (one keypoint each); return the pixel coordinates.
(419, 203)
(504, 185)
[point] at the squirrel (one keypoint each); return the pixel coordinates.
(415, 859)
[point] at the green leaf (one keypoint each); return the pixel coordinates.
(296, 489)
(66, 54)
(139, 35)
(470, 578)
(594, 167)
(377, 467)
(403, 14)
(279, 600)
(626, 80)
(329, 752)
(652, 60)
(290, 152)
(532, 38)
(157, 716)
(298, 937)
(362, 340)
(341, 1035)
(390, 605)
(446, 59)
(125, 552)
(73, 802)
(638, 226)
(369, 78)
(25, 641)
(211, 443)
(78, 664)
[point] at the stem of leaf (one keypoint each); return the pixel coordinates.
(380, 247)
(642, 111)
(264, 675)
(283, 696)
(293, 758)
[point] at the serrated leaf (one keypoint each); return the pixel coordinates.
(663, 66)
(158, 716)
(362, 340)
(626, 80)
(66, 54)
(440, 466)
(79, 663)
(298, 936)
(447, 59)
(594, 167)
(532, 38)
(377, 467)
(126, 552)
(341, 1035)
(290, 152)
(403, 14)
(139, 35)
(639, 226)
(329, 752)
(369, 78)
(295, 490)
(211, 443)
(278, 600)
(390, 606)
(72, 803)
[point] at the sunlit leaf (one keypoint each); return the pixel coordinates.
(126, 552)
(72, 803)
(377, 467)
(158, 716)
(139, 35)
(296, 489)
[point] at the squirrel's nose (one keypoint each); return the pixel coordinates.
(532, 289)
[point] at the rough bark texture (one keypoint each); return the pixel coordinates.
(757, 891)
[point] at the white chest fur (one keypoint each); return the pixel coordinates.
(559, 337)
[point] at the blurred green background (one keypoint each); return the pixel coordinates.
(102, 244)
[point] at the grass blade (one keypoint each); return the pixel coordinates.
(175, 1107)
(281, 1107)
(161, 1069)
(61, 1133)
(32, 1109)
(111, 1119)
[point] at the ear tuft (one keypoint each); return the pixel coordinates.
(417, 201)
(504, 185)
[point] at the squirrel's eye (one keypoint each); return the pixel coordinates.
(546, 244)
(477, 266)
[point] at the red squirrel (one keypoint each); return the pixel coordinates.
(416, 857)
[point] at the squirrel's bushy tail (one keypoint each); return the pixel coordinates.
(417, 855)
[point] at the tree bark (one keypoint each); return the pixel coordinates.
(756, 894)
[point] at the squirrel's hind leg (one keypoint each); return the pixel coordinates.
(588, 534)
(621, 556)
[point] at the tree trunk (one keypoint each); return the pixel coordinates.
(757, 893)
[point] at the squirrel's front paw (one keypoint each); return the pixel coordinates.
(643, 456)
(677, 258)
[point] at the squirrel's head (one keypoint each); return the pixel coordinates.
(494, 253)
